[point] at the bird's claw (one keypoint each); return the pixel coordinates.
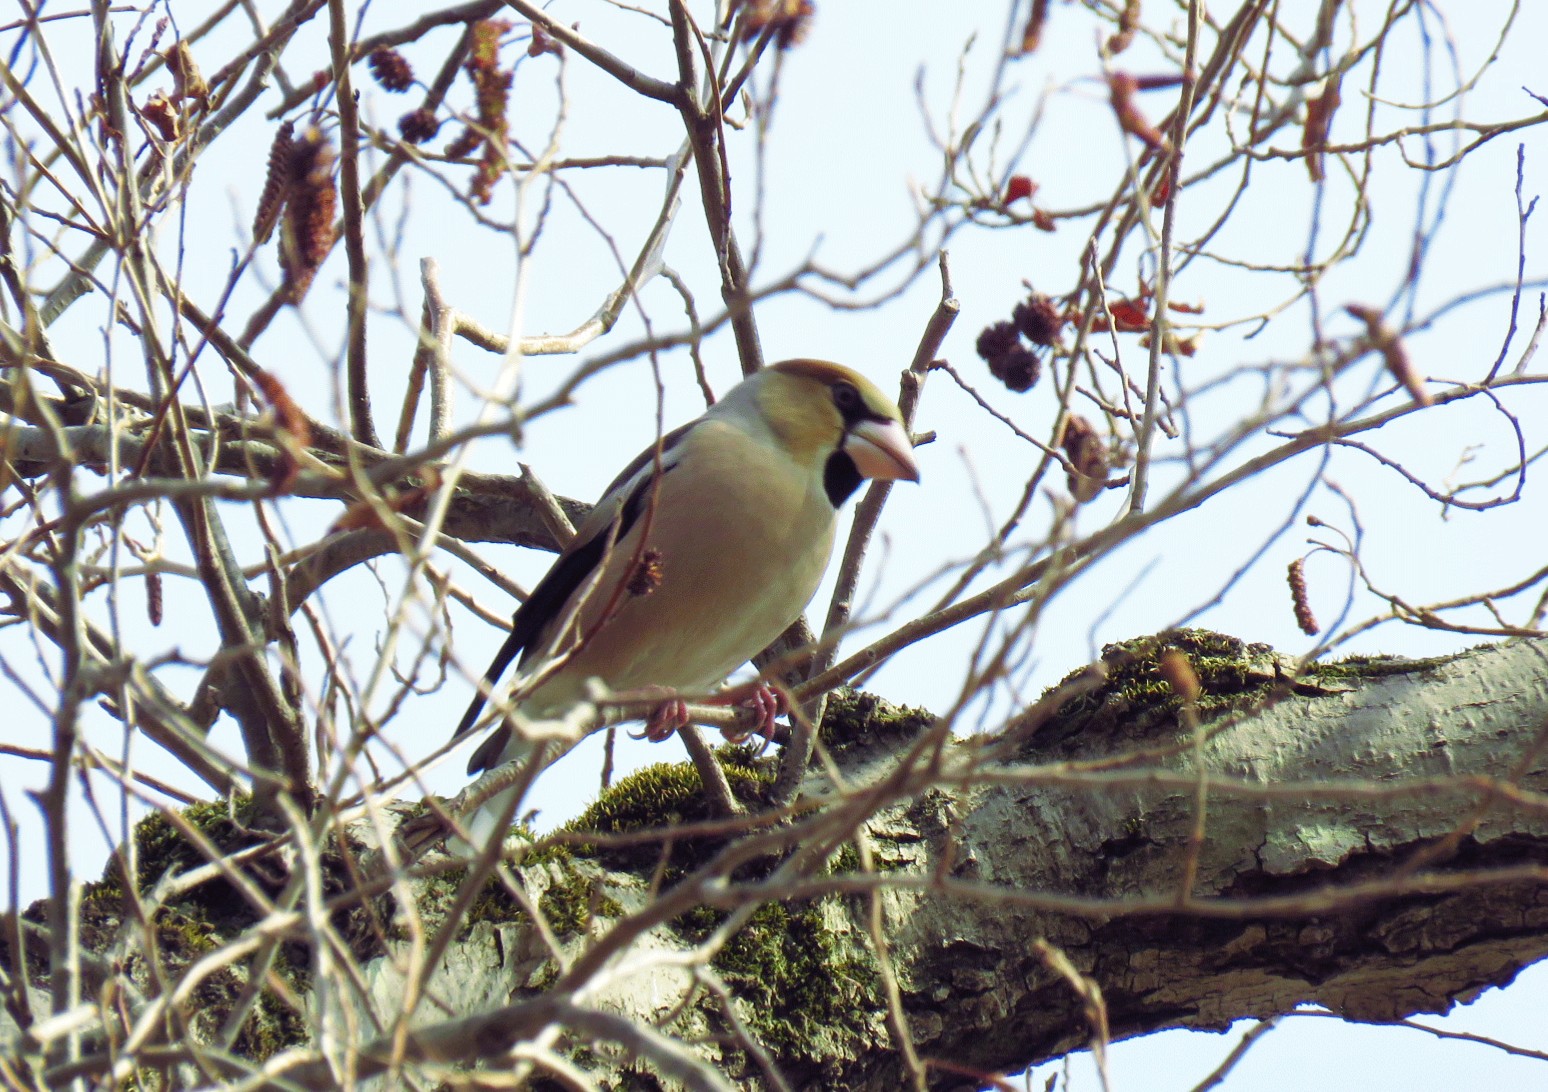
(668, 717)
(767, 704)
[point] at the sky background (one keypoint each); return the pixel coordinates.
(846, 155)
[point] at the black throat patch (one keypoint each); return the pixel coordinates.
(840, 478)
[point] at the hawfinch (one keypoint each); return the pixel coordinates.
(690, 566)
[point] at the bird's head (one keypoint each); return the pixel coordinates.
(835, 418)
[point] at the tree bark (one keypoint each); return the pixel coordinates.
(1373, 841)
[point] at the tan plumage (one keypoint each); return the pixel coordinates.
(677, 578)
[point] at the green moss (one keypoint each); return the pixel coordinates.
(161, 846)
(806, 988)
(271, 1028)
(273, 1025)
(847, 859)
(436, 896)
(161, 850)
(669, 793)
(658, 798)
(199, 921)
(544, 978)
(1374, 667)
(571, 903)
(569, 885)
(545, 853)
(432, 899)
(1136, 696)
(859, 717)
(661, 798)
(1136, 700)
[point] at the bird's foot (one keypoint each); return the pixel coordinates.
(667, 718)
(766, 703)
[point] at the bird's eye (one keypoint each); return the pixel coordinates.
(846, 398)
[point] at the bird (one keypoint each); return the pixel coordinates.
(701, 552)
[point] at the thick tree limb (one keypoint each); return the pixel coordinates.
(1376, 841)
(1318, 880)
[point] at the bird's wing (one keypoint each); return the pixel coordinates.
(621, 505)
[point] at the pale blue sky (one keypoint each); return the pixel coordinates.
(847, 140)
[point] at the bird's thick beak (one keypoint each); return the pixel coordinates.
(881, 450)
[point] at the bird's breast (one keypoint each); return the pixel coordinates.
(726, 556)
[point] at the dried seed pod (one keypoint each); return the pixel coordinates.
(162, 115)
(492, 88)
(295, 431)
(791, 19)
(289, 416)
(1089, 459)
(1179, 674)
(1121, 88)
(1319, 119)
(188, 84)
(275, 185)
(1032, 35)
(1038, 320)
(153, 602)
(311, 200)
(996, 339)
(418, 126)
(1019, 368)
(1298, 596)
(1128, 22)
(466, 144)
(391, 70)
(1011, 362)
(1129, 317)
(1385, 340)
(1018, 186)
